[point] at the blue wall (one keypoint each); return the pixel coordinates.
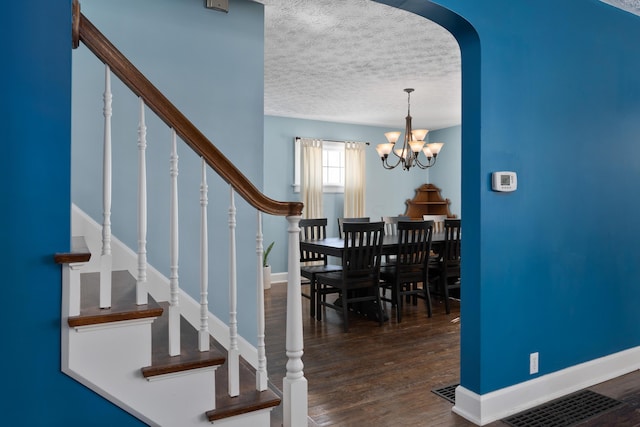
(387, 190)
(210, 65)
(553, 267)
(35, 39)
(543, 92)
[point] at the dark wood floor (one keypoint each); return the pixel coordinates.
(384, 376)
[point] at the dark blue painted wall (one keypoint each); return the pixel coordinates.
(35, 41)
(551, 91)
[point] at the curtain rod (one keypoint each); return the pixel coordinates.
(329, 140)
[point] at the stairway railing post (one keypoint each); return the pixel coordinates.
(261, 370)
(174, 303)
(106, 261)
(203, 332)
(141, 282)
(233, 352)
(295, 399)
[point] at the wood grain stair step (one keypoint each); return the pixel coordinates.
(189, 358)
(79, 252)
(123, 301)
(249, 399)
(124, 308)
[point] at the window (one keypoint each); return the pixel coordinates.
(332, 166)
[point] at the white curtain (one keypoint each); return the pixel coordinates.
(354, 179)
(311, 177)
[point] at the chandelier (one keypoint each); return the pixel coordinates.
(412, 146)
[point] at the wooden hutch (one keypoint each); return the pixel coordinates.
(427, 201)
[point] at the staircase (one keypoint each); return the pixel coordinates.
(131, 334)
(122, 353)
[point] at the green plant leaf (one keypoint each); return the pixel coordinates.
(265, 255)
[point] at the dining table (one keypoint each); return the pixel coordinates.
(334, 246)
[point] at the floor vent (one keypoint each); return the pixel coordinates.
(447, 392)
(564, 412)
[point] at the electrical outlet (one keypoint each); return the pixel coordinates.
(533, 363)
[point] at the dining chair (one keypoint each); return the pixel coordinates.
(343, 220)
(410, 267)
(446, 270)
(438, 222)
(391, 224)
(312, 263)
(359, 280)
(391, 229)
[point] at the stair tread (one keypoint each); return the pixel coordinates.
(249, 399)
(189, 358)
(79, 252)
(123, 301)
(123, 308)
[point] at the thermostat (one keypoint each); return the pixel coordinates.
(504, 181)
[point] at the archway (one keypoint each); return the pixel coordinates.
(469, 43)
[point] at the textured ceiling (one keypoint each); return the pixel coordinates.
(350, 60)
(632, 6)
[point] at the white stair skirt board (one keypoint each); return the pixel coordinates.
(95, 359)
(490, 407)
(126, 259)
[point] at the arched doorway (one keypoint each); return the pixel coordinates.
(469, 43)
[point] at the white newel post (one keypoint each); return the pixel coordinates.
(106, 258)
(71, 289)
(233, 353)
(203, 332)
(295, 401)
(141, 283)
(174, 289)
(261, 371)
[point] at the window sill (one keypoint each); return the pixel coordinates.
(325, 189)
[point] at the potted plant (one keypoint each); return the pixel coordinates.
(266, 268)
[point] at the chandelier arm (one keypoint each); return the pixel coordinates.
(385, 161)
(427, 165)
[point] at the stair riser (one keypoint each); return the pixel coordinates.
(108, 361)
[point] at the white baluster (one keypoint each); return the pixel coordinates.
(141, 284)
(294, 384)
(261, 371)
(174, 289)
(233, 353)
(106, 258)
(203, 334)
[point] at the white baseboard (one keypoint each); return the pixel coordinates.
(126, 259)
(279, 277)
(490, 407)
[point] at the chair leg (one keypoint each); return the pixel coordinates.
(312, 293)
(445, 291)
(380, 313)
(319, 297)
(345, 311)
(397, 288)
(427, 298)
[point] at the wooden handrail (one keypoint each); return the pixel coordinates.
(83, 30)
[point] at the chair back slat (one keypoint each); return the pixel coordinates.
(343, 220)
(391, 224)
(313, 229)
(362, 248)
(438, 221)
(414, 244)
(451, 254)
